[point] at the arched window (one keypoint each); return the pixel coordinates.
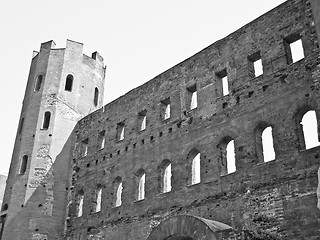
(167, 178)
(141, 184)
(69, 83)
(23, 166)
(267, 145)
(98, 200)
(38, 83)
(20, 126)
(80, 203)
(118, 191)
(46, 120)
(96, 96)
(227, 156)
(310, 129)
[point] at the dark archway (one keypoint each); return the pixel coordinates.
(186, 227)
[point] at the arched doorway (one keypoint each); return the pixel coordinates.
(187, 227)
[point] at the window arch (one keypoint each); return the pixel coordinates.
(69, 83)
(141, 177)
(227, 156)
(46, 120)
(118, 188)
(310, 129)
(96, 96)
(165, 176)
(23, 165)
(38, 83)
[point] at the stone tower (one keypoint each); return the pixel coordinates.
(64, 85)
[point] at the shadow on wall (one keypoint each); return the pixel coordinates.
(44, 213)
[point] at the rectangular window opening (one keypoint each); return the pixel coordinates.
(165, 108)
(192, 97)
(294, 48)
(101, 139)
(84, 147)
(120, 131)
(222, 75)
(142, 120)
(255, 65)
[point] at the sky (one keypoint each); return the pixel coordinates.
(138, 40)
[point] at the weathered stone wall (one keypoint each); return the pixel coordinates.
(278, 197)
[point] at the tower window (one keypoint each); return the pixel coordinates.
(46, 120)
(84, 147)
(165, 109)
(23, 166)
(294, 48)
(38, 83)
(142, 120)
(120, 131)
(192, 100)
(69, 83)
(255, 65)
(80, 205)
(96, 96)
(222, 75)
(20, 126)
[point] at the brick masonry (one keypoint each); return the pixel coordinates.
(260, 200)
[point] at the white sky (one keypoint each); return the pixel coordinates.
(138, 40)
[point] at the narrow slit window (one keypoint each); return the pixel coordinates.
(119, 194)
(167, 179)
(96, 96)
(98, 201)
(46, 120)
(267, 145)
(141, 187)
(69, 83)
(310, 129)
(195, 178)
(20, 128)
(38, 83)
(258, 70)
(80, 206)
(23, 166)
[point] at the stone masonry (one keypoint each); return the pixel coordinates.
(182, 157)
